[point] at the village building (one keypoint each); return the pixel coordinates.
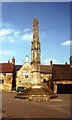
(7, 75)
(23, 75)
(57, 77)
(62, 77)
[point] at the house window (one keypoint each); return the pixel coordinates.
(26, 75)
(1, 81)
(4, 74)
(20, 81)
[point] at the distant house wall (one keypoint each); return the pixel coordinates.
(45, 77)
(6, 81)
(62, 86)
(2, 79)
(23, 76)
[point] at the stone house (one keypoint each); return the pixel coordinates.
(23, 74)
(62, 77)
(6, 75)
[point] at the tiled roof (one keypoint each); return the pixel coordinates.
(43, 68)
(17, 67)
(6, 68)
(47, 69)
(62, 72)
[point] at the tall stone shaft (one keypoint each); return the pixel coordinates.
(35, 55)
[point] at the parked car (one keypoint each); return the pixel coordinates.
(20, 89)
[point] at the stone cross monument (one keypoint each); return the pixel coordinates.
(35, 55)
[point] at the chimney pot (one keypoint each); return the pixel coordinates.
(13, 60)
(51, 62)
(27, 58)
(8, 61)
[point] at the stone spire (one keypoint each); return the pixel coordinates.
(35, 43)
(35, 55)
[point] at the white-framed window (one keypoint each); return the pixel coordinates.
(26, 75)
(1, 81)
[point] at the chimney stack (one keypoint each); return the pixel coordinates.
(65, 63)
(8, 61)
(27, 58)
(13, 60)
(51, 62)
(71, 61)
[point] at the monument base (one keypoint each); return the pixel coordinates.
(36, 86)
(37, 93)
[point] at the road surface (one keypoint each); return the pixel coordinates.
(20, 108)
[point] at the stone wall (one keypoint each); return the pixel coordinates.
(6, 81)
(45, 77)
(23, 76)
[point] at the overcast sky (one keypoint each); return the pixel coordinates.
(17, 27)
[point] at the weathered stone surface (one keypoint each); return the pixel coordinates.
(23, 77)
(6, 79)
